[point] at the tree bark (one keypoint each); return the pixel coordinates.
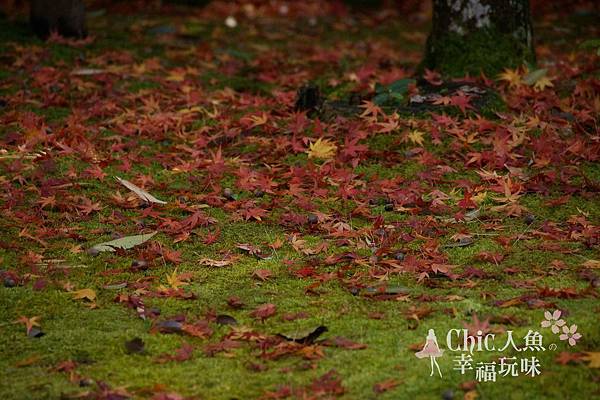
(66, 17)
(473, 36)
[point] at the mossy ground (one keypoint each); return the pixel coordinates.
(94, 338)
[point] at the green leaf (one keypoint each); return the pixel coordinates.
(590, 44)
(534, 76)
(126, 242)
(381, 99)
(401, 85)
(379, 88)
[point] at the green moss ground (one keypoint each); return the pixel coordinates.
(94, 338)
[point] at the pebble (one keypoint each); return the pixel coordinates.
(228, 193)
(9, 282)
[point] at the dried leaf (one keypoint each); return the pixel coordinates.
(126, 242)
(84, 294)
(141, 193)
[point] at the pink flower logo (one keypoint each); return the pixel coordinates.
(570, 334)
(554, 322)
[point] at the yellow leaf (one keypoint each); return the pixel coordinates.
(511, 76)
(479, 197)
(258, 120)
(543, 83)
(28, 322)
(416, 137)
(176, 76)
(471, 395)
(84, 294)
(174, 281)
(593, 358)
(322, 148)
(591, 264)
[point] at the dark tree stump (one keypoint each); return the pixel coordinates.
(308, 98)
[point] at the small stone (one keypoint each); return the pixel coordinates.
(35, 333)
(135, 345)
(140, 265)
(170, 326)
(85, 382)
(231, 22)
(92, 251)
(354, 291)
(224, 319)
(313, 219)
(399, 256)
(259, 193)
(529, 218)
(153, 312)
(448, 395)
(228, 193)
(9, 282)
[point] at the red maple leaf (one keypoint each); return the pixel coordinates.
(461, 101)
(263, 312)
(182, 354)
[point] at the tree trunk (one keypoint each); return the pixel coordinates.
(66, 17)
(473, 36)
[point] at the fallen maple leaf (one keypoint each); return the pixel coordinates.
(416, 137)
(262, 274)
(28, 322)
(591, 264)
(385, 385)
(543, 83)
(565, 357)
(593, 357)
(175, 280)
(265, 311)
(84, 294)
(511, 76)
(182, 354)
(323, 149)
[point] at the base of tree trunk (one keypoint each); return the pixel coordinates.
(474, 36)
(65, 17)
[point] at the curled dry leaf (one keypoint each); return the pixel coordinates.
(141, 193)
